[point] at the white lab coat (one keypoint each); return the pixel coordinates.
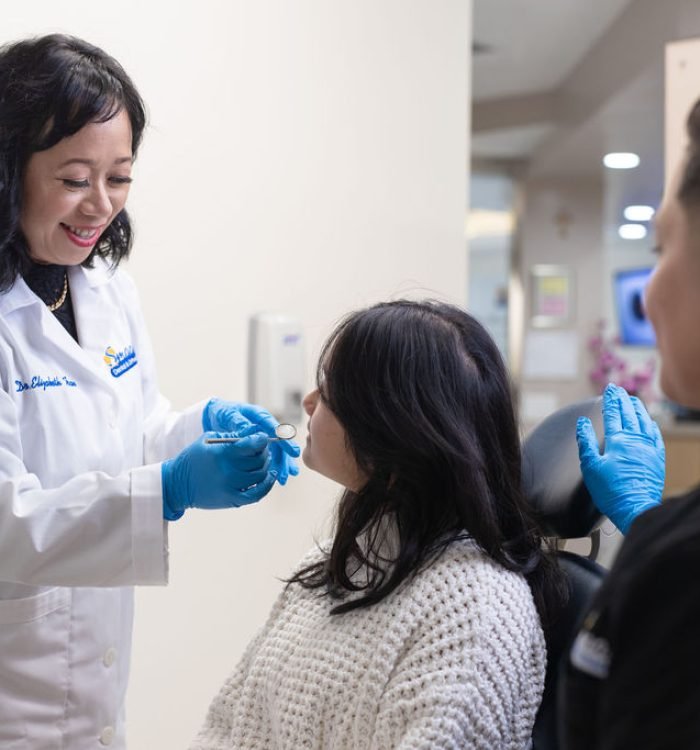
(82, 429)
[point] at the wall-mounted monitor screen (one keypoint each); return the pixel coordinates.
(635, 328)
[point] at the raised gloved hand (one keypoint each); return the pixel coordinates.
(232, 417)
(219, 475)
(628, 478)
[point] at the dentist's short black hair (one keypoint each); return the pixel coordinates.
(424, 398)
(50, 87)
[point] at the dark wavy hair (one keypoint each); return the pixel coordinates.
(51, 87)
(689, 190)
(422, 393)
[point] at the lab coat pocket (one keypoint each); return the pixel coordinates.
(34, 672)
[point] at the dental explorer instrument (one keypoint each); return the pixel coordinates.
(283, 431)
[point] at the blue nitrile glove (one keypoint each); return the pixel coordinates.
(628, 478)
(283, 453)
(233, 417)
(219, 475)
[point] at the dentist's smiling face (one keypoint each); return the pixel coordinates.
(73, 191)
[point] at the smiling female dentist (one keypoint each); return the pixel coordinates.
(92, 458)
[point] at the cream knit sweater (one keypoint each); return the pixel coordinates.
(453, 659)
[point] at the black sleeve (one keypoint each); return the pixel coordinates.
(648, 613)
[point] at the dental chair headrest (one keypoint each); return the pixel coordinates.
(551, 474)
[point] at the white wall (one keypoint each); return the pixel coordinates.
(306, 156)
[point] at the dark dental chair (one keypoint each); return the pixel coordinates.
(555, 489)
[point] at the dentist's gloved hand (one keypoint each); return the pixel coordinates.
(236, 418)
(219, 475)
(628, 478)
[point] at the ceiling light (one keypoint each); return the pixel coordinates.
(639, 213)
(632, 231)
(621, 160)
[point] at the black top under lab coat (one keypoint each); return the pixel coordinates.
(632, 679)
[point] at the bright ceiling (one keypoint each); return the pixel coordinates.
(534, 54)
(533, 45)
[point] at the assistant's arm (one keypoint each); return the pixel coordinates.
(645, 692)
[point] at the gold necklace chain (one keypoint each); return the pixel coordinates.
(54, 306)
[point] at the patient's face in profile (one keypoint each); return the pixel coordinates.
(327, 450)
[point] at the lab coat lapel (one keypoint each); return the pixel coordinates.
(94, 318)
(81, 361)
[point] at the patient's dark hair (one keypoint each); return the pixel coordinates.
(422, 393)
(689, 191)
(51, 87)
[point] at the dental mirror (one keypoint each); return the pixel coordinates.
(283, 431)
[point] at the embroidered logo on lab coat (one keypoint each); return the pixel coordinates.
(120, 362)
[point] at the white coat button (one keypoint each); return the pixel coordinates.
(110, 657)
(112, 420)
(107, 736)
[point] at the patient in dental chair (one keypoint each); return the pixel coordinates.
(419, 624)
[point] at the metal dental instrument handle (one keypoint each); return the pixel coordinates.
(283, 431)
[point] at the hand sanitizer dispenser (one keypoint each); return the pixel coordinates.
(276, 365)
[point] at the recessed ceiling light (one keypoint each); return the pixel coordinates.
(621, 160)
(632, 231)
(639, 213)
